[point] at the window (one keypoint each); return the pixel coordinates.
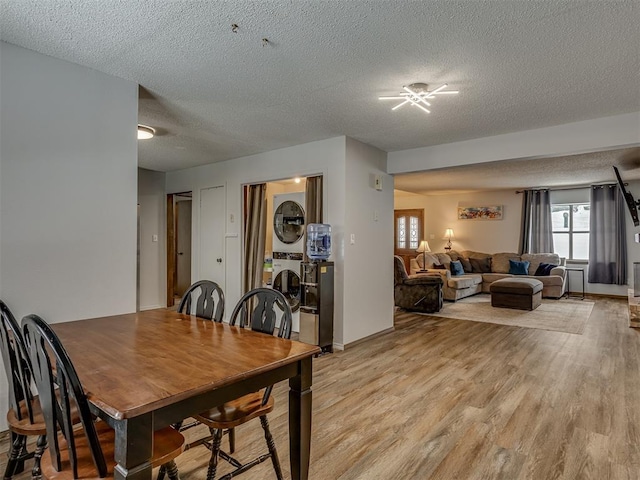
(408, 230)
(571, 230)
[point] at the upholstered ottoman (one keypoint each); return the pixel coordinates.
(520, 293)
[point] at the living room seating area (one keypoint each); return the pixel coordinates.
(418, 293)
(474, 272)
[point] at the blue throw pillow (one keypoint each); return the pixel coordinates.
(518, 268)
(544, 269)
(456, 268)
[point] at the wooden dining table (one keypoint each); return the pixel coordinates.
(147, 370)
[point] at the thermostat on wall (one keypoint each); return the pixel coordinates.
(377, 182)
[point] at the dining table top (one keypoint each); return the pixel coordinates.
(136, 363)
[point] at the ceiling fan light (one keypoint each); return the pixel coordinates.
(145, 133)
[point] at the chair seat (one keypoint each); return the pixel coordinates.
(236, 412)
(168, 443)
(24, 426)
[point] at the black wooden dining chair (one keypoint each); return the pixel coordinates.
(260, 310)
(203, 299)
(24, 417)
(86, 452)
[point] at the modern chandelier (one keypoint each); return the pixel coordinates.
(417, 95)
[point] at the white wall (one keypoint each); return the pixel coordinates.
(368, 263)
(152, 204)
(326, 157)
(68, 156)
(361, 307)
(606, 133)
(441, 212)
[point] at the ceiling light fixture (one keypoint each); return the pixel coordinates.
(145, 133)
(417, 94)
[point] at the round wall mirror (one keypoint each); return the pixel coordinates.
(288, 222)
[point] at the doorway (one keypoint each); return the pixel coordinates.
(212, 235)
(179, 208)
(408, 231)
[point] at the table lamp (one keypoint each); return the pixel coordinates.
(423, 248)
(448, 235)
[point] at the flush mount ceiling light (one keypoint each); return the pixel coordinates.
(417, 95)
(145, 133)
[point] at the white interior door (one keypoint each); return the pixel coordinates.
(212, 234)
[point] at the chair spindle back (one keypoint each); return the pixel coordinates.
(208, 299)
(57, 391)
(16, 364)
(259, 309)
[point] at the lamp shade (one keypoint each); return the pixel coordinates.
(423, 247)
(448, 234)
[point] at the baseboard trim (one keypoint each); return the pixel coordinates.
(370, 337)
(152, 307)
(598, 295)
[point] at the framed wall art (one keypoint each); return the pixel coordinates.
(493, 212)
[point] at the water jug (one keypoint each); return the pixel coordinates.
(318, 241)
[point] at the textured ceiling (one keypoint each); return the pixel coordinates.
(571, 170)
(216, 95)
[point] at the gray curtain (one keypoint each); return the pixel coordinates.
(255, 233)
(312, 205)
(607, 239)
(536, 233)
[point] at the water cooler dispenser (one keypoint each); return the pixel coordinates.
(316, 299)
(316, 304)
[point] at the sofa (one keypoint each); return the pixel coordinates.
(417, 293)
(482, 269)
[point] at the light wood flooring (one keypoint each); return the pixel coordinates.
(453, 399)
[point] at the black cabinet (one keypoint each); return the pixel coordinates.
(316, 304)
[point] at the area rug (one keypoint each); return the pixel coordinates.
(562, 315)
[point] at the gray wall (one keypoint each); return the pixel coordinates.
(347, 166)
(68, 162)
(152, 203)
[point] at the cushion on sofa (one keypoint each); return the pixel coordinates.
(544, 269)
(480, 265)
(500, 261)
(471, 253)
(456, 268)
(454, 255)
(466, 265)
(517, 267)
(535, 259)
(464, 281)
(443, 259)
(429, 259)
(438, 267)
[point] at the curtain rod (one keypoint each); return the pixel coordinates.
(573, 187)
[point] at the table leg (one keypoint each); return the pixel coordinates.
(134, 448)
(300, 420)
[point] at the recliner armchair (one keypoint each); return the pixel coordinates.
(418, 293)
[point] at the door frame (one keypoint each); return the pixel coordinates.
(172, 269)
